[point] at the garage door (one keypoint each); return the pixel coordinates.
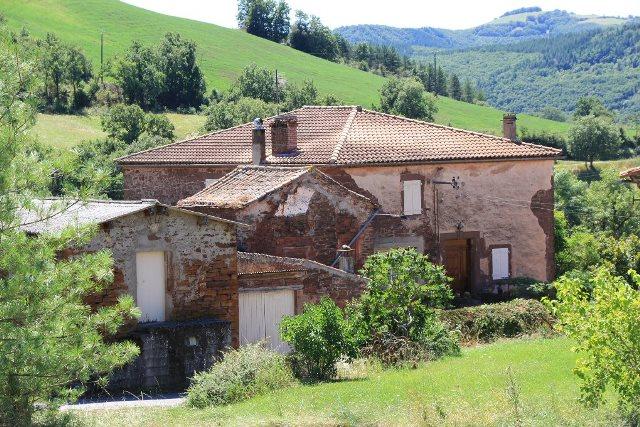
(260, 315)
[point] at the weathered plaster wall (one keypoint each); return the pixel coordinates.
(506, 202)
(167, 184)
(201, 262)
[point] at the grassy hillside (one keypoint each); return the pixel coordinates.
(222, 54)
(65, 131)
(522, 382)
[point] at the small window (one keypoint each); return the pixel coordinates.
(208, 182)
(412, 197)
(500, 263)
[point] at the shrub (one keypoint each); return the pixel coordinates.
(319, 339)
(243, 373)
(395, 316)
(124, 122)
(488, 322)
(601, 312)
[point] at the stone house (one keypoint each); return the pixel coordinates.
(295, 212)
(480, 204)
(180, 267)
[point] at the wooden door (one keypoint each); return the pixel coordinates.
(150, 289)
(455, 254)
(260, 316)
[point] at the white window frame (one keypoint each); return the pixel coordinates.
(500, 261)
(412, 197)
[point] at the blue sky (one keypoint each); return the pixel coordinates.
(401, 13)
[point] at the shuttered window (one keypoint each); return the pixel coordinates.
(500, 263)
(412, 197)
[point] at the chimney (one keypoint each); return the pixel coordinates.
(258, 151)
(509, 127)
(345, 259)
(284, 134)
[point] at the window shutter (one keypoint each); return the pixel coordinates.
(500, 263)
(412, 197)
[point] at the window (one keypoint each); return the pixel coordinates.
(500, 263)
(412, 197)
(208, 182)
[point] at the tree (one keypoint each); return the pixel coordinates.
(296, 96)
(255, 82)
(591, 106)
(137, 73)
(49, 338)
(455, 90)
(602, 316)
(441, 82)
(265, 18)
(78, 68)
(593, 138)
(398, 304)
(310, 35)
(552, 113)
(124, 122)
(183, 82)
(407, 97)
(53, 64)
(226, 114)
(159, 125)
(468, 94)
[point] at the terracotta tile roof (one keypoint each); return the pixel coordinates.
(346, 135)
(256, 263)
(247, 184)
(633, 173)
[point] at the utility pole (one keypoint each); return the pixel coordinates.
(102, 57)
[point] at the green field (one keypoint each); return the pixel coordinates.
(479, 388)
(223, 53)
(64, 131)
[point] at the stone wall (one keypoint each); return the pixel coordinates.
(170, 354)
(308, 219)
(317, 280)
(201, 262)
(167, 184)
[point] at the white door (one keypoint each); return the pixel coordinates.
(150, 291)
(260, 316)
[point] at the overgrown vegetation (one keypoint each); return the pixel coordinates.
(51, 341)
(246, 372)
(488, 322)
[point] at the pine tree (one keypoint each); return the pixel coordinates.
(455, 90)
(441, 82)
(468, 94)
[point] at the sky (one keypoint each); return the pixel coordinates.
(404, 13)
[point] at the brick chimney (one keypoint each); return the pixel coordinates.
(284, 134)
(509, 127)
(258, 150)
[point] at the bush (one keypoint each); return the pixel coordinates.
(319, 338)
(243, 373)
(395, 316)
(124, 122)
(486, 323)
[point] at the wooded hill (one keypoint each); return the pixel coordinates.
(223, 53)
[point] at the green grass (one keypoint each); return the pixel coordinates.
(468, 390)
(65, 131)
(222, 53)
(619, 165)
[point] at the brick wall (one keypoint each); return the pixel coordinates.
(167, 184)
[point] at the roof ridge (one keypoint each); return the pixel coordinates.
(466, 131)
(343, 135)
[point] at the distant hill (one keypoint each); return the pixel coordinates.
(511, 27)
(223, 53)
(528, 58)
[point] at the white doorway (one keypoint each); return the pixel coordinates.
(150, 290)
(260, 316)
